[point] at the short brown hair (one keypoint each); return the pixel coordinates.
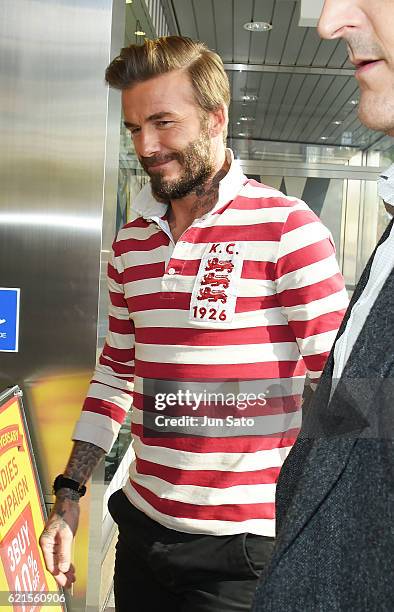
(138, 63)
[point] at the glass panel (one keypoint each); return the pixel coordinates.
(324, 196)
(131, 178)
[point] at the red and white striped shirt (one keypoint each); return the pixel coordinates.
(249, 298)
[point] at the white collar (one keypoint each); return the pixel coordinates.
(147, 207)
(386, 185)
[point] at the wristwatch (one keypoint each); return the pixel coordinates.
(61, 482)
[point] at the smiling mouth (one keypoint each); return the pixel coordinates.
(159, 164)
(156, 165)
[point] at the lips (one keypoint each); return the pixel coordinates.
(158, 164)
(365, 63)
(152, 163)
(363, 66)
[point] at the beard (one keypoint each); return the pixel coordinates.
(196, 167)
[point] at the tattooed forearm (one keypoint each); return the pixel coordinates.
(84, 458)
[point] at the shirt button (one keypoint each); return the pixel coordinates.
(172, 271)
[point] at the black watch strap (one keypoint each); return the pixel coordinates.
(61, 482)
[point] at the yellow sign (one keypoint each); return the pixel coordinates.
(22, 568)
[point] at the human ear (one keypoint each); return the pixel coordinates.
(218, 120)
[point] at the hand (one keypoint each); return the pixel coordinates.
(57, 538)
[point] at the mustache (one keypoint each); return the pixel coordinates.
(148, 162)
(361, 46)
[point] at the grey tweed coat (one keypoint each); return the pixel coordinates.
(335, 495)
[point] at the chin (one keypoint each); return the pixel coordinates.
(376, 114)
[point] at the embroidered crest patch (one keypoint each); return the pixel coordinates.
(214, 294)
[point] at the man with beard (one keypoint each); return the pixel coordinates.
(335, 495)
(223, 293)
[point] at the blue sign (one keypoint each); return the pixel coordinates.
(9, 320)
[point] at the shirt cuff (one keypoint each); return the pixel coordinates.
(99, 436)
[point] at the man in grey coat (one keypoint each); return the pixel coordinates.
(335, 495)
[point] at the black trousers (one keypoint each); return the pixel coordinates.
(159, 569)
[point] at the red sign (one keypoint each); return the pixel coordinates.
(21, 559)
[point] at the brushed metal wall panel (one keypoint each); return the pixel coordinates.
(53, 134)
(59, 136)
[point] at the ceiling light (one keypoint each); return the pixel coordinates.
(129, 1)
(242, 134)
(250, 98)
(354, 102)
(138, 29)
(337, 122)
(257, 26)
(323, 137)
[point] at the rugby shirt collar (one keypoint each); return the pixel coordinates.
(147, 207)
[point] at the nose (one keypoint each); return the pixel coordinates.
(338, 17)
(146, 142)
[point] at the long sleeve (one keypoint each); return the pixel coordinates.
(310, 286)
(110, 393)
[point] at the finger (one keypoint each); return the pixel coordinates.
(63, 552)
(60, 578)
(70, 575)
(47, 544)
(65, 579)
